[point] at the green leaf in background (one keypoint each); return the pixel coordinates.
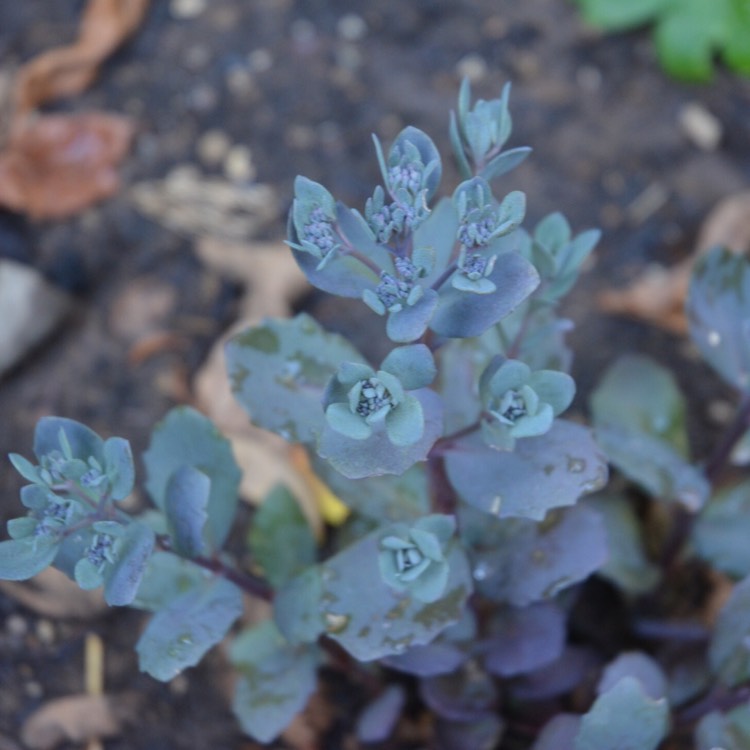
(187, 438)
(280, 538)
(687, 33)
(722, 531)
(276, 680)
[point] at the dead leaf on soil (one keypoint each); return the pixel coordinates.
(658, 296)
(52, 594)
(191, 203)
(54, 166)
(70, 70)
(77, 718)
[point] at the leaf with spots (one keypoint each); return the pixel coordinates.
(279, 371)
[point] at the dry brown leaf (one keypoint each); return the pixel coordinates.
(55, 166)
(52, 594)
(69, 70)
(77, 718)
(658, 295)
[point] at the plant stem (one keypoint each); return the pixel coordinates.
(719, 699)
(248, 583)
(731, 437)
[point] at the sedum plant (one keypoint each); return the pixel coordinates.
(478, 534)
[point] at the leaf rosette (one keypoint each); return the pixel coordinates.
(520, 403)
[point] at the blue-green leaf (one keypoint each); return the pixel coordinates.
(721, 532)
(83, 442)
(559, 733)
(118, 463)
(276, 680)
(23, 558)
(279, 371)
(379, 717)
(504, 162)
(185, 502)
(624, 718)
(24, 467)
(181, 633)
(639, 666)
(280, 537)
(133, 551)
(166, 577)
(187, 438)
(728, 731)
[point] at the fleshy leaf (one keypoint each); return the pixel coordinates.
(624, 718)
(432, 659)
(385, 622)
(576, 666)
(724, 731)
(187, 438)
(519, 562)
(504, 162)
(639, 395)
(438, 232)
(276, 680)
(24, 467)
(728, 653)
(718, 311)
(185, 501)
(83, 441)
(469, 694)
(721, 532)
(280, 537)
(559, 733)
(627, 565)
(543, 472)
(181, 633)
(479, 734)
(118, 460)
(296, 607)
(379, 717)
(279, 371)
(462, 314)
(124, 578)
(409, 323)
(413, 365)
(166, 577)
(23, 558)
(377, 455)
(523, 640)
(639, 666)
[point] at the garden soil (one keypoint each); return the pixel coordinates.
(230, 100)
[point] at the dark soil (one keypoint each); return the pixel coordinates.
(283, 78)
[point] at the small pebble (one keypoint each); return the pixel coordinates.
(186, 9)
(241, 83)
(179, 685)
(700, 126)
(351, 27)
(16, 626)
(260, 60)
(45, 632)
(589, 78)
(196, 57)
(33, 689)
(213, 147)
(471, 66)
(238, 164)
(720, 412)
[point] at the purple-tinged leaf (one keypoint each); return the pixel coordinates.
(559, 733)
(463, 314)
(638, 665)
(483, 733)
(468, 694)
(426, 661)
(377, 455)
(378, 719)
(524, 639)
(544, 472)
(519, 562)
(576, 666)
(718, 311)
